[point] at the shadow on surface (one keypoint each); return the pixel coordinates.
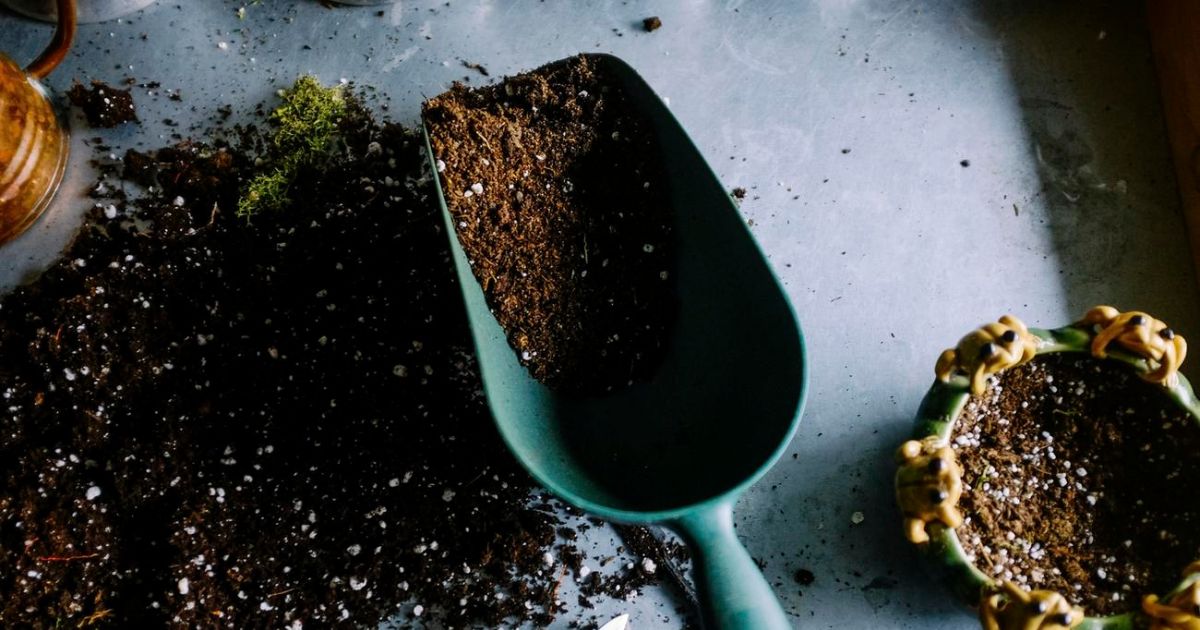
(1089, 97)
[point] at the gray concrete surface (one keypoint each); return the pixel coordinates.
(847, 121)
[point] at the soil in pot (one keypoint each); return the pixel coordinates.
(209, 421)
(1080, 478)
(555, 187)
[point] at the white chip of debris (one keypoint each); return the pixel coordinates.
(620, 623)
(441, 166)
(648, 565)
(857, 518)
(92, 493)
(183, 586)
(477, 188)
(448, 495)
(357, 584)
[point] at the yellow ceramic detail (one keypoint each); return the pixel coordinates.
(1180, 612)
(988, 350)
(1142, 335)
(1018, 609)
(928, 486)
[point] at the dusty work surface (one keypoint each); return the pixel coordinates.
(911, 169)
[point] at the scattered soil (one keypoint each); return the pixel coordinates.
(1080, 479)
(655, 555)
(210, 422)
(555, 187)
(738, 193)
(652, 24)
(103, 105)
(804, 577)
(477, 67)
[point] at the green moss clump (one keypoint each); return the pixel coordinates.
(306, 124)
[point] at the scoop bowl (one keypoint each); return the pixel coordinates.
(719, 411)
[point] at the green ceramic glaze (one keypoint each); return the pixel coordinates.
(720, 410)
(940, 409)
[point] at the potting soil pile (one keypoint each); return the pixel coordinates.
(268, 420)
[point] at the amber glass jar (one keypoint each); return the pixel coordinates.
(33, 150)
(33, 145)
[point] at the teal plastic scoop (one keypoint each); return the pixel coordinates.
(719, 411)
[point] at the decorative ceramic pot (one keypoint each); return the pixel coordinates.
(929, 478)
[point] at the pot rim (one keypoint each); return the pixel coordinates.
(939, 411)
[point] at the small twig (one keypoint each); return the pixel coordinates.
(280, 593)
(212, 218)
(477, 478)
(557, 584)
(95, 618)
(182, 172)
(476, 67)
(484, 141)
(67, 558)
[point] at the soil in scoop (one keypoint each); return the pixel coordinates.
(556, 189)
(1081, 478)
(209, 422)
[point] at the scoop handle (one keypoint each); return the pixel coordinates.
(57, 50)
(734, 595)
